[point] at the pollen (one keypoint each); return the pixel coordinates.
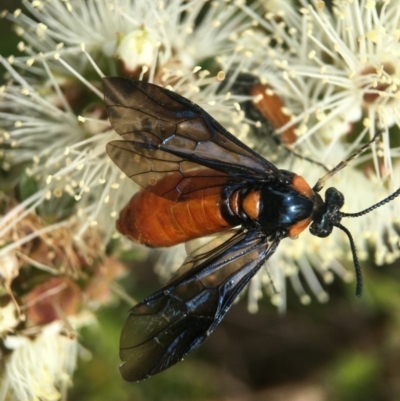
(41, 29)
(21, 46)
(367, 122)
(305, 299)
(221, 75)
(58, 192)
(323, 297)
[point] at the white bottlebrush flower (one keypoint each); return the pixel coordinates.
(41, 123)
(147, 33)
(137, 48)
(53, 123)
(337, 71)
(8, 318)
(53, 134)
(340, 63)
(67, 159)
(321, 259)
(42, 367)
(364, 74)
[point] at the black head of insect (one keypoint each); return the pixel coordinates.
(328, 214)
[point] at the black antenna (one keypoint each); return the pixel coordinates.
(331, 216)
(352, 245)
(357, 267)
(394, 195)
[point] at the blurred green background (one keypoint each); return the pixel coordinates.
(346, 349)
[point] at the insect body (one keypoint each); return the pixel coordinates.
(198, 179)
(156, 221)
(266, 107)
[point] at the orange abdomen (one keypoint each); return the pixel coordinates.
(155, 221)
(271, 107)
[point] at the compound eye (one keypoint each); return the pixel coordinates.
(334, 199)
(322, 228)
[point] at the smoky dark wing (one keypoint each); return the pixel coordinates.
(162, 120)
(174, 321)
(165, 174)
(200, 249)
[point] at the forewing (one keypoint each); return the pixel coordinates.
(160, 119)
(174, 321)
(200, 249)
(165, 174)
